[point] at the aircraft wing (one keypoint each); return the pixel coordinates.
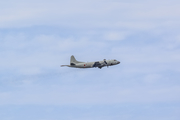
(99, 65)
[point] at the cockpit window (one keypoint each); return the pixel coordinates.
(115, 60)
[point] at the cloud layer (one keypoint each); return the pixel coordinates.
(38, 36)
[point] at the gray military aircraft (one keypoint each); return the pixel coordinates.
(77, 64)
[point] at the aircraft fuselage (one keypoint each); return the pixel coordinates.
(76, 64)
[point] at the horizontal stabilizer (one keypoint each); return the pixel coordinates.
(64, 65)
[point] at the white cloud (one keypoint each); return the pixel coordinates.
(152, 78)
(115, 36)
(142, 35)
(80, 94)
(32, 55)
(90, 14)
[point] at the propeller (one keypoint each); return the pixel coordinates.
(105, 63)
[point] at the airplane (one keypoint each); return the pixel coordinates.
(77, 64)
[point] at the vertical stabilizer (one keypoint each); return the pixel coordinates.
(73, 60)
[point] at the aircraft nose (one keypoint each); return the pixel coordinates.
(118, 62)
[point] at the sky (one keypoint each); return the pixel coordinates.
(37, 36)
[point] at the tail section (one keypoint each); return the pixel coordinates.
(73, 60)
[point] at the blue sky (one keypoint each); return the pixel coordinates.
(38, 36)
